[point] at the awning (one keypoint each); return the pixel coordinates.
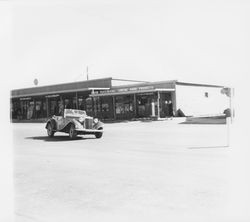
(51, 93)
(131, 92)
(93, 84)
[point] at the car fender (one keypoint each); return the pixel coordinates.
(67, 126)
(52, 122)
(98, 125)
(76, 123)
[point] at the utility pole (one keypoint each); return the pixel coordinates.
(87, 73)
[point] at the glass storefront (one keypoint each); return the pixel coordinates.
(107, 107)
(40, 108)
(89, 106)
(82, 102)
(53, 105)
(121, 107)
(145, 104)
(97, 107)
(57, 103)
(140, 105)
(69, 100)
(26, 108)
(124, 107)
(100, 107)
(15, 109)
(166, 105)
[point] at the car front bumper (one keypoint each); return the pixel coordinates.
(88, 131)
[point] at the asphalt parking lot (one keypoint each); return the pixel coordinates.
(138, 171)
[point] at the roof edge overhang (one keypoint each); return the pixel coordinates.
(132, 92)
(60, 92)
(60, 84)
(144, 84)
(198, 85)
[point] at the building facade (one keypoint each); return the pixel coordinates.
(102, 99)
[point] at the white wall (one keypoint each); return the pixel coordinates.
(192, 101)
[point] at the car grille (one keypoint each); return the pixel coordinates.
(88, 123)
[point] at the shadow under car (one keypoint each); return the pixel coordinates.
(58, 138)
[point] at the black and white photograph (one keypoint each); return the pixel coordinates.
(125, 111)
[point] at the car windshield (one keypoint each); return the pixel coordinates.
(74, 113)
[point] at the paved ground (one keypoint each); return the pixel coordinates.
(138, 171)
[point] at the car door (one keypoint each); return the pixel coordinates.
(60, 123)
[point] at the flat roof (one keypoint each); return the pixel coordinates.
(140, 91)
(104, 83)
(198, 84)
(169, 83)
(166, 84)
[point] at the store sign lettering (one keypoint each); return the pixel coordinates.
(26, 98)
(51, 96)
(132, 89)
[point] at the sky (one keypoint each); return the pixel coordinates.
(192, 41)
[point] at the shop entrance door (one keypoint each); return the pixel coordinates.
(144, 104)
(166, 105)
(107, 111)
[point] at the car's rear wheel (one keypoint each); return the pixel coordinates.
(72, 132)
(50, 131)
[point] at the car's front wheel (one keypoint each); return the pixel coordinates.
(98, 135)
(72, 132)
(50, 131)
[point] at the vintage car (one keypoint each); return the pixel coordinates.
(74, 122)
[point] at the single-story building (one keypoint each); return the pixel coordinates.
(104, 99)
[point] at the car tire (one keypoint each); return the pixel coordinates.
(50, 131)
(98, 135)
(72, 132)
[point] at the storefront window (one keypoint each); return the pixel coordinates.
(124, 107)
(81, 103)
(53, 107)
(145, 104)
(97, 104)
(166, 105)
(70, 101)
(44, 109)
(74, 103)
(82, 96)
(38, 109)
(15, 109)
(23, 109)
(89, 105)
(53, 103)
(26, 110)
(107, 107)
(67, 104)
(30, 110)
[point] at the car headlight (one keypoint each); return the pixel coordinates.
(95, 120)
